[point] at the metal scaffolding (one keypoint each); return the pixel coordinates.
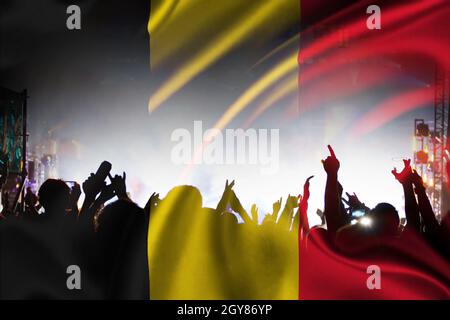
(432, 145)
(440, 140)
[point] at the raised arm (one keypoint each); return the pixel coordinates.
(424, 206)
(411, 207)
(301, 219)
(91, 190)
(75, 194)
(288, 212)
(254, 212)
(237, 207)
(91, 203)
(152, 203)
(118, 182)
(225, 200)
(333, 215)
(230, 200)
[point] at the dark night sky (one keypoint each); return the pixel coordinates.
(68, 71)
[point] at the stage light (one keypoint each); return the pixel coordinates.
(422, 157)
(365, 221)
(422, 130)
(358, 213)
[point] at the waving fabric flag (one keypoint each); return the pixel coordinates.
(198, 253)
(227, 63)
(341, 56)
(240, 49)
(344, 54)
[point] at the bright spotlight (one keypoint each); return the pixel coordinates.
(358, 213)
(365, 221)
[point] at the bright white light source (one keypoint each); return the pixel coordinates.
(354, 221)
(365, 221)
(358, 213)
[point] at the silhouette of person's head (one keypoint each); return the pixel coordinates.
(54, 196)
(115, 215)
(228, 218)
(385, 219)
(184, 199)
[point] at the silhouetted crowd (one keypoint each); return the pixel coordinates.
(111, 243)
(352, 228)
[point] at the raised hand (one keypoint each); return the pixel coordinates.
(228, 187)
(75, 193)
(299, 199)
(107, 193)
(306, 193)
(154, 199)
(254, 212)
(91, 188)
(333, 204)
(321, 215)
(152, 202)
(119, 185)
(291, 202)
(226, 198)
(353, 201)
(301, 219)
(405, 175)
(287, 214)
(276, 208)
(331, 163)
